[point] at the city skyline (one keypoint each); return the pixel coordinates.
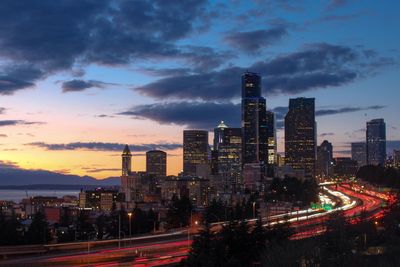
(73, 117)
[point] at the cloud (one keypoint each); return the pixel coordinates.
(3, 135)
(57, 37)
(325, 112)
(17, 122)
(6, 164)
(2, 110)
(100, 146)
(253, 41)
(326, 134)
(81, 85)
(315, 66)
(200, 115)
(206, 115)
(17, 77)
(102, 170)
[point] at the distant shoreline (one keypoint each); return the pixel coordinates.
(53, 187)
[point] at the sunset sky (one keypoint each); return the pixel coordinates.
(78, 79)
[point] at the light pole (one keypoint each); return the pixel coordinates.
(254, 210)
(119, 229)
(130, 224)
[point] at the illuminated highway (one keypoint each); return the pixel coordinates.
(169, 248)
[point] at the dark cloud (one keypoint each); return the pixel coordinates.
(326, 134)
(253, 41)
(315, 66)
(206, 115)
(3, 135)
(18, 77)
(8, 164)
(104, 116)
(100, 146)
(58, 36)
(324, 112)
(2, 110)
(102, 170)
(17, 122)
(199, 115)
(81, 85)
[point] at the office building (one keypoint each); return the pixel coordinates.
(300, 135)
(156, 163)
(195, 151)
(254, 120)
(396, 158)
(325, 159)
(230, 159)
(271, 134)
(345, 167)
(376, 142)
(359, 153)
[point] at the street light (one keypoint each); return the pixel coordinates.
(130, 224)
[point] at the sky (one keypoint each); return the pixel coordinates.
(79, 79)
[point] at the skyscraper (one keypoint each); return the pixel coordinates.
(126, 161)
(195, 150)
(359, 153)
(376, 142)
(300, 135)
(325, 159)
(271, 134)
(254, 121)
(230, 158)
(218, 138)
(156, 163)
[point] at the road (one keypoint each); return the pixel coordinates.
(171, 248)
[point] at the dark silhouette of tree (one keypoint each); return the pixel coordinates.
(10, 230)
(178, 214)
(38, 232)
(84, 228)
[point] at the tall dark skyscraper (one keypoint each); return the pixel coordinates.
(300, 135)
(271, 134)
(376, 142)
(254, 120)
(195, 150)
(359, 153)
(230, 158)
(325, 159)
(156, 162)
(126, 161)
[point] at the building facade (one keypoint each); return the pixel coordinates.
(359, 153)
(156, 163)
(300, 135)
(271, 134)
(376, 142)
(325, 159)
(254, 120)
(195, 151)
(230, 159)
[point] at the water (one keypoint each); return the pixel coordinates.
(18, 195)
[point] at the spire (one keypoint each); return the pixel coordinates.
(126, 151)
(222, 125)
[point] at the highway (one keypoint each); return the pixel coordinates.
(170, 248)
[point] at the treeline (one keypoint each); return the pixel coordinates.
(379, 175)
(237, 244)
(293, 190)
(82, 227)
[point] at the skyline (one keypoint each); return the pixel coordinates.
(67, 104)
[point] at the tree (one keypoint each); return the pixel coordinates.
(84, 228)
(179, 211)
(38, 232)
